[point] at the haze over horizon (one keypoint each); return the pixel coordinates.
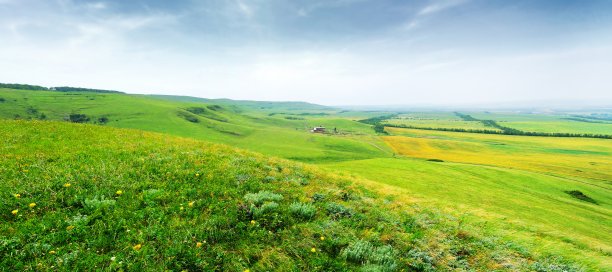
(335, 52)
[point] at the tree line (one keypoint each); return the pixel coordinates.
(59, 89)
(508, 132)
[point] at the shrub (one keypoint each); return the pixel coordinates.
(318, 197)
(98, 204)
(103, 120)
(336, 210)
(267, 208)
(303, 211)
(261, 197)
(357, 252)
(581, 196)
(78, 118)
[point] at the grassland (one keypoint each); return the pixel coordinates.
(563, 123)
(582, 159)
(524, 205)
(237, 125)
(435, 120)
(84, 197)
(498, 202)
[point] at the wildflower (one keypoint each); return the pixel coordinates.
(32, 205)
(69, 227)
(119, 192)
(246, 270)
(313, 250)
(191, 203)
(197, 174)
(252, 222)
(66, 185)
(181, 208)
(17, 195)
(198, 244)
(137, 247)
(14, 212)
(52, 252)
(322, 238)
(113, 258)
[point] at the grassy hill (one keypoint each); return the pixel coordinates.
(83, 197)
(546, 197)
(282, 133)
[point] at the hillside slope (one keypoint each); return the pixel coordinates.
(83, 197)
(276, 130)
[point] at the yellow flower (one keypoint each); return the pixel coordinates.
(246, 270)
(191, 203)
(17, 195)
(67, 185)
(52, 252)
(14, 212)
(313, 250)
(198, 244)
(137, 247)
(69, 227)
(119, 192)
(252, 222)
(197, 174)
(32, 205)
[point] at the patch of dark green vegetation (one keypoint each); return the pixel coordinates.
(214, 107)
(196, 110)
(188, 116)
(314, 113)
(294, 118)
(77, 89)
(2, 99)
(466, 117)
(23, 87)
(585, 120)
(78, 118)
(377, 124)
(103, 120)
(435, 160)
(207, 114)
(581, 196)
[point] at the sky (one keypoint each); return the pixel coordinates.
(332, 52)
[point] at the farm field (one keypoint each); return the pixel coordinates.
(583, 159)
(435, 120)
(564, 123)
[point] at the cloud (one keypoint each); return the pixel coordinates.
(439, 6)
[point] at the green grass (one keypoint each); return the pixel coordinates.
(233, 124)
(562, 123)
(83, 197)
(482, 202)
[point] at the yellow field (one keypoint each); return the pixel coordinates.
(578, 158)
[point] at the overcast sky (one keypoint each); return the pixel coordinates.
(333, 52)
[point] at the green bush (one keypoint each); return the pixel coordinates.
(336, 210)
(304, 211)
(266, 208)
(261, 197)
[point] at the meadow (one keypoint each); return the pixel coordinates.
(83, 197)
(428, 200)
